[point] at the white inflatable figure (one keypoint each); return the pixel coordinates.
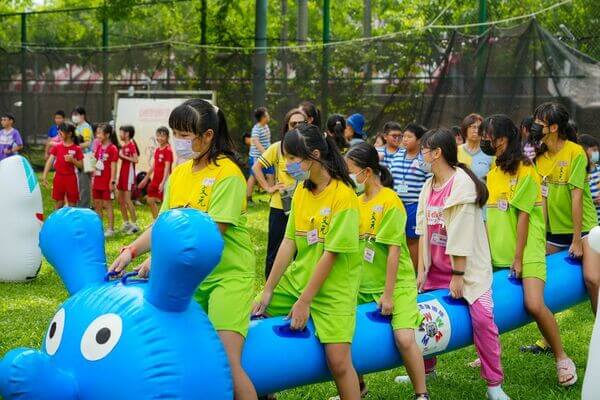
(21, 216)
(591, 383)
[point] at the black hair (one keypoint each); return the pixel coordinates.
(554, 113)
(163, 130)
(457, 131)
(587, 141)
(312, 111)
(391, 126)
(499, 126)
(526, 123)
(80, 110)
(131, 132)
(108, 129)
(69, 127)
(259, 113)
(9, 116)
(60, 112)
(336, 124)
(443, 139)
(306, 138)
(418, 130)
(572, 129)
(364, 156)
(197, 116)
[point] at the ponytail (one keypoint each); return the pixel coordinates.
(336, 125)
(443, 139)
(306, 138)
(364, 155)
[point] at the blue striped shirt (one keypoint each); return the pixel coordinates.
(409, 178)
(594, 181)
(264, 137)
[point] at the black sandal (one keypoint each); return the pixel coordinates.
(421, 396)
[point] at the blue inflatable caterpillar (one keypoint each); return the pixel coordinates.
(133, 339)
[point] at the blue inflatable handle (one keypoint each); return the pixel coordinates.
(110, 274)
(377, 316)
(573, 261)
(514, 280)
(286, 331)
(131, 275)
(452, 301)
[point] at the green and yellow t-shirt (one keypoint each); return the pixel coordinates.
(561, 173)
(272, 157)
(327, 221)
(219, 190)
(510, 194)
(382, 222)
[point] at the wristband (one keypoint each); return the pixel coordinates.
(458, 273)
(131, 249)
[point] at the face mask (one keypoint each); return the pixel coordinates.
(536, 132)
(595, 157)
(76, 119)
(295, 170)
(183, 149)
(424, 165)
(360, 187)
(487, 147)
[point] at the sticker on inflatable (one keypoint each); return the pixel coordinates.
(434, 333)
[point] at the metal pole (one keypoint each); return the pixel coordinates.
(302, 24)
(483, 54)
(24, 103)
(367, 33)
(483, 15)
(260, 54)
(203, 68)
(325, 67)
(105, 79)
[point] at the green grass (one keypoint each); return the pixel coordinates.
(26, 308)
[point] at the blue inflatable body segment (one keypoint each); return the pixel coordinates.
(276, 358)
(108, 340)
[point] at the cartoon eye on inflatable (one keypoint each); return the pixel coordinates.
(101, 337)
(55, 332)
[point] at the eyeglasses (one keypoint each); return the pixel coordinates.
(395, 137)
(293, 124)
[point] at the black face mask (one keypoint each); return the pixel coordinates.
(487, 147)
(536, 133)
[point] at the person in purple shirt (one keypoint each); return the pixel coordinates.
(10, 139)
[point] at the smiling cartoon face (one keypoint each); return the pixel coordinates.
(126, 339)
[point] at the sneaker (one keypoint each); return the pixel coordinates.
(539, 347)
(133, 228)
(405, 379)
(109, 233)
(126, 227)
(496, 393)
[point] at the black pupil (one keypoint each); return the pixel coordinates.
(103, 335)
(52, 330)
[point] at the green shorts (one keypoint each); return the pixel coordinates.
(228, 303)
(406, 314)
(330, 327)
(531, 270)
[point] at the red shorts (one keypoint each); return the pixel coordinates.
(101, 194)
(65, 185)
(154, 192)
(126, 180)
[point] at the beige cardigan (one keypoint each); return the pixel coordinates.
(466, 234)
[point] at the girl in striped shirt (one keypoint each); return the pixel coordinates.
(409, 178)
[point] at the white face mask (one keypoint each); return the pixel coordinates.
(183, 149)
(360, 187)
(76, 119)
(595, 157)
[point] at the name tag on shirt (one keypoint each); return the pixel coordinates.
(369, 255)
(502, 205)
(544, 190)
(312, 237)
(438, 239)
(99, 165)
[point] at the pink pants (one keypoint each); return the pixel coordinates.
(487, 342)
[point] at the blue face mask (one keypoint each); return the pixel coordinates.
(295, 170)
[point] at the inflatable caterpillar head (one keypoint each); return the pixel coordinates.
(127, 338)
(21, 214)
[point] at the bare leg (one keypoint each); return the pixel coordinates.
(111, 215)
(243, 388)
(250, 184)
(591, 273)
(98, 205)
(130, 206)
(413, 358)
(123, 205)
(413, 249)
(339, 360)
(153, 207)
(59, 204)
(534, 303)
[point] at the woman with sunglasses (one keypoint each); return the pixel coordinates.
(282, 189)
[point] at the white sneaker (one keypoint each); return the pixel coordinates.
(405, 379)
(496, 393)
(126, 227)
(109, 233)
(133, 228)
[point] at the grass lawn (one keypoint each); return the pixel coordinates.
(26, 309)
